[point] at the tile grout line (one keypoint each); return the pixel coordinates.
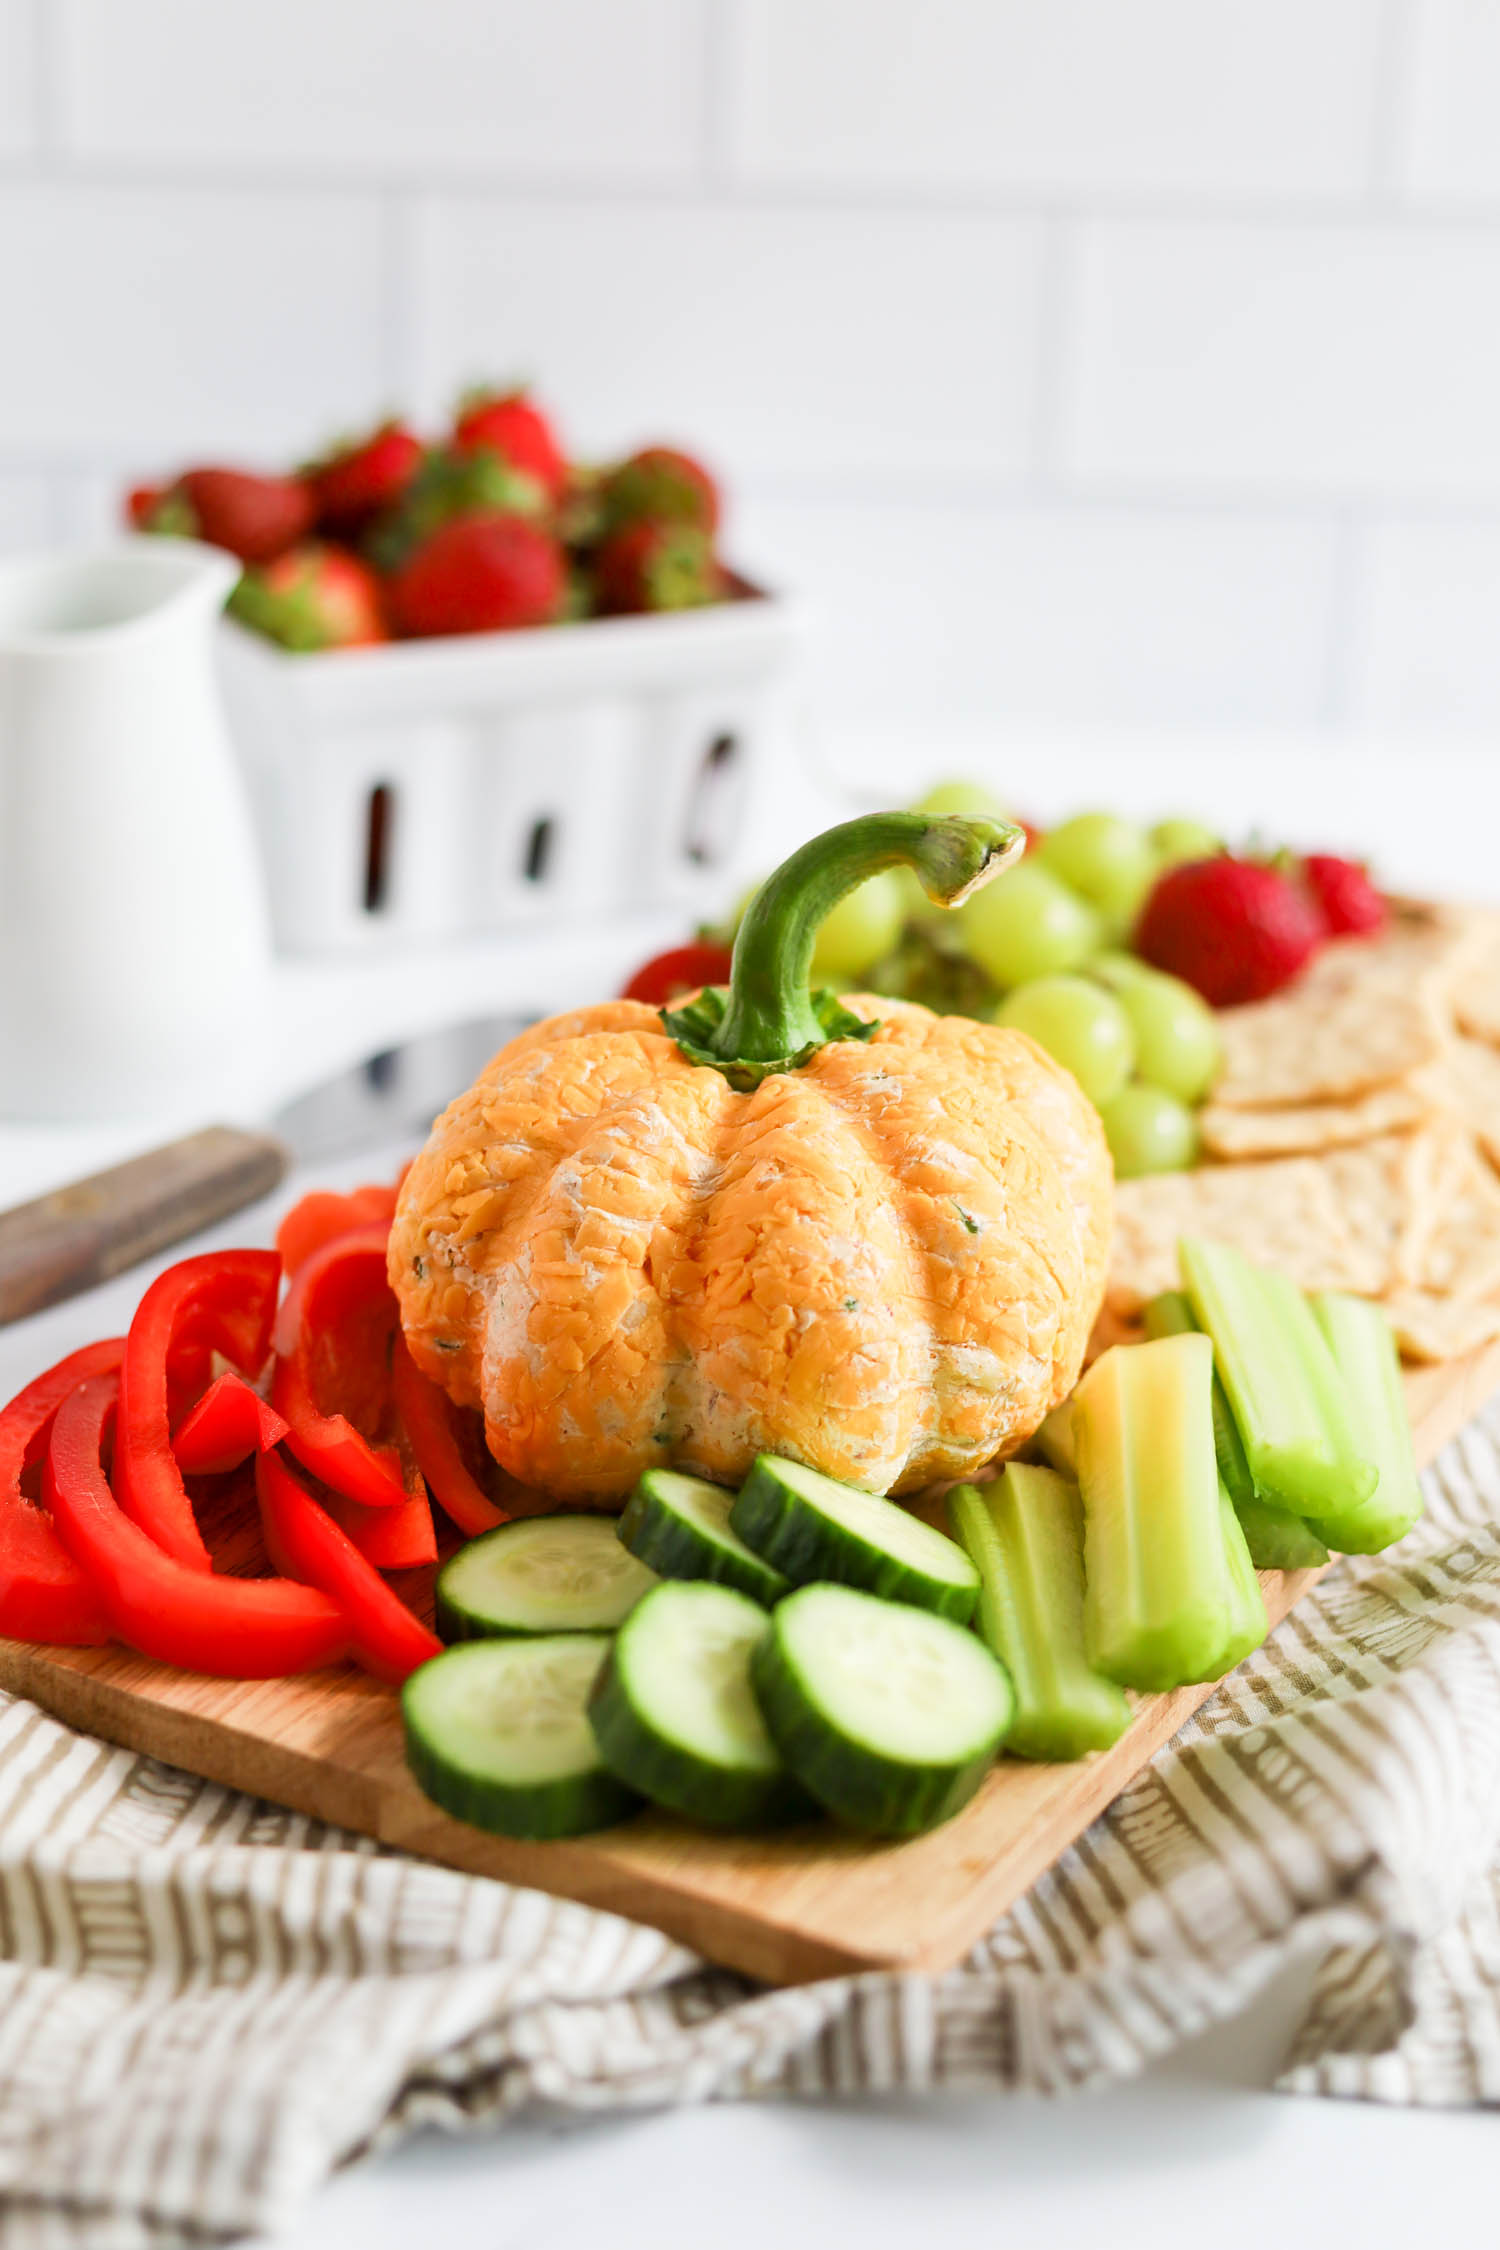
(1390, 110)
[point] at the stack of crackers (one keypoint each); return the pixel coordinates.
(1353, 1137)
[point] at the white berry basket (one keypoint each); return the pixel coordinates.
(438, 789)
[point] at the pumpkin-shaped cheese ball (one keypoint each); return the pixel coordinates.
(858, 1234)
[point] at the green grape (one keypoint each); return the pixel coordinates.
(862, 927)
(963, 797)
(1119, 969)
(1149, 1131)
(1027, 924)
(1176, 1037)
(1107, 860)
(1086, 1030)
(1175, 840)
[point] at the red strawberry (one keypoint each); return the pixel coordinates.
(256, 518)
(1345, 897)
(141, 504)
(353, 483)
(508, 423)
(446, 486)
(480, 574)
(1232, 928)
(312, 597)
(657, 566)
(661, 485)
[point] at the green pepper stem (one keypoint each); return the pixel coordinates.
(770, 1017)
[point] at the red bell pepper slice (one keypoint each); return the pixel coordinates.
(228, 1424)
(305, 1543)
(666, 976)
(44, 1596)
(231, 1293)
(427, 1418)
(323, 1216)
(333, 1338)
(234, 1628)
(402, 1538)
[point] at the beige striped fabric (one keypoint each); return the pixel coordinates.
(206, 2004)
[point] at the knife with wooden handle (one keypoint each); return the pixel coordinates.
(77, 1236)
(81, 1235)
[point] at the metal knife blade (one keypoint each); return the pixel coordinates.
(393, 1095)
(82, 1234)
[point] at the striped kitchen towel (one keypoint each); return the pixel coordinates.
(206, 2004)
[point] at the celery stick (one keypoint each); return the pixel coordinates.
(1359, 1336)
(1277, 1539)
(1157, 1606)
(1054, 1440)
(1249, 1623)
(1290, 1405)
(1171, 1314)
(1024, 1535)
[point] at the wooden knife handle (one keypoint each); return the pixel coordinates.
(81, 1235)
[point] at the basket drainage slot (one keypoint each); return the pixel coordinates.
(380, 815)
(714, 801)
(540, 845)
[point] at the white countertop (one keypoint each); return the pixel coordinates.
(1196, 2151)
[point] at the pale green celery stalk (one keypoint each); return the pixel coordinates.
(1277, 1539)
(1249, 1623)
(1054, 1440)
(1157, 1606)
(1289, 1402)
(1359, 1337)
(1024, 1535)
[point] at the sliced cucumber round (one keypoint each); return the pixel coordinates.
(808, 1527)
(675, 1716)
(679, 1526)
(497, 1733)
(544, 1574)
(888, 1715)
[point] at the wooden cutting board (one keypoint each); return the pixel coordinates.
(808, 1903)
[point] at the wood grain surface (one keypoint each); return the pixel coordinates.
(808, 1903)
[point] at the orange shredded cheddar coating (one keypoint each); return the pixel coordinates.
(885, 1264)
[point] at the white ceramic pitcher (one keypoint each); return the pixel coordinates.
(134, 940)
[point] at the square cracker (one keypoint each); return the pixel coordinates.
(1459, 1259)
(1433, 1327)
(1302, 1128)
(1476, 989)
(1356, 1218)
(1467, 1082)
(1369, 1011)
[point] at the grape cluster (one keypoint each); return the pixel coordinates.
(1045, 949)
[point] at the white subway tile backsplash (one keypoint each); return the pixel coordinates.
(159, 324)
(887, 346)
(1449, 149)
(1425, 650)
(972, 616)
(25, 511)
(18, 77)
(1264, 99)
(1274, 360)
(569, 87)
